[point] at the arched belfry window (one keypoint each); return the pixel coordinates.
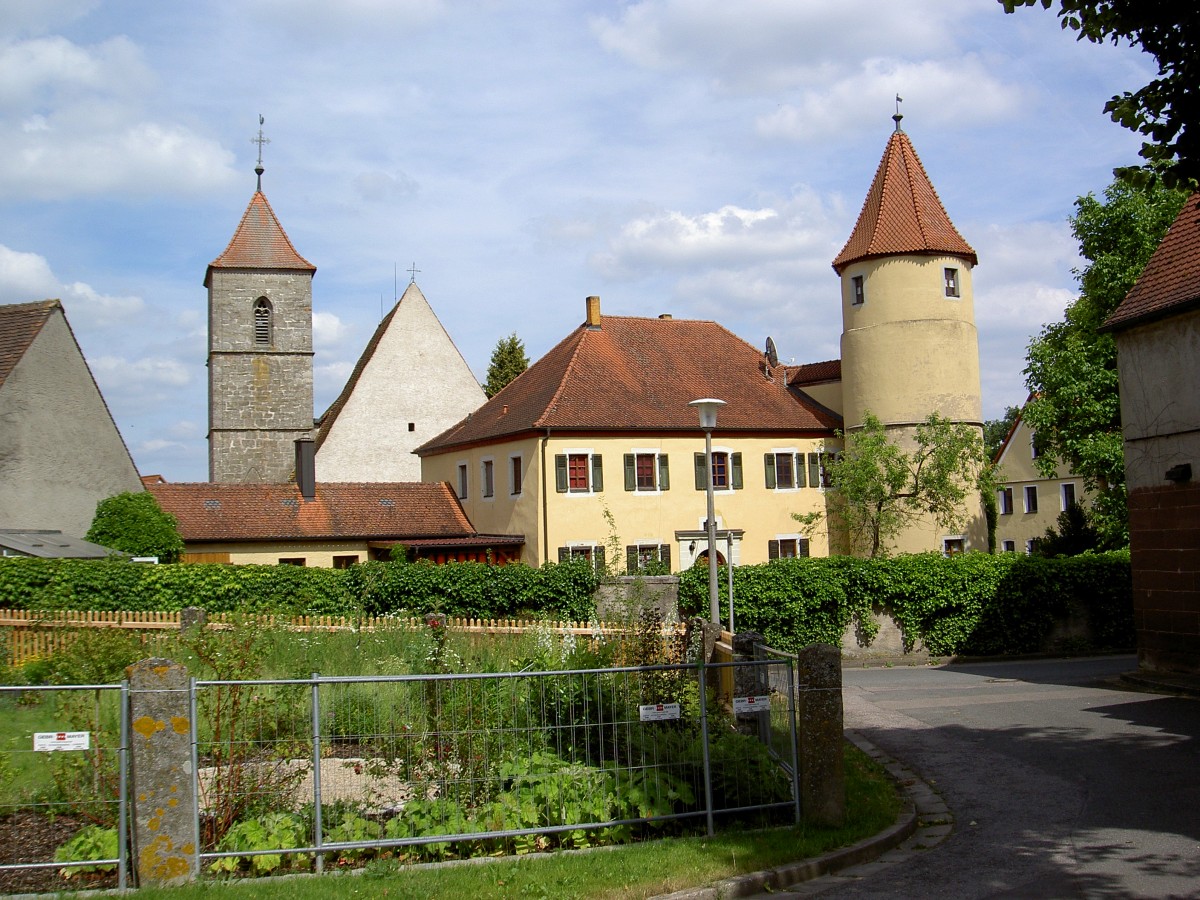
(262, 321)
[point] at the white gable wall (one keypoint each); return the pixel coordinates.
(416, 375)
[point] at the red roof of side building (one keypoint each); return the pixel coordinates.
(260, 243)
(261, 512)
(815, 373)
(20, 323)
(639, 374)
(902, 213)
(1170, 283)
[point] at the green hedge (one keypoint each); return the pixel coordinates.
(460, 589)
(975, 603)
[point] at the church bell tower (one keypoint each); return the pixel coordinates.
(260, 373)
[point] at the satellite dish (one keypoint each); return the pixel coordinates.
(772, 355)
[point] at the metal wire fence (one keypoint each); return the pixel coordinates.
(433, 766)
(64, 786)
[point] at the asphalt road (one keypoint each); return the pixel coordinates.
(1061, 783)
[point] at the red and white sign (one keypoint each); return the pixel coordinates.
(744, 706)
(658, 712)
(61, 740)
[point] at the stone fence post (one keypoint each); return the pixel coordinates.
(819, 724)
(163, 786)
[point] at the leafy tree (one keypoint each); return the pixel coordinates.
(880, 488)
(996, 430)
(1071, 368)
(135, 523)
(508, 361)
(1167, 110)
(1075, 534)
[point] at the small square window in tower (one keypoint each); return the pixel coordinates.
(859, 289)
(951, 282)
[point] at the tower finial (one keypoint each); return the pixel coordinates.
(897, 117)
(260, 140)
(413, 272)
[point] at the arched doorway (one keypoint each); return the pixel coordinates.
(702, 558)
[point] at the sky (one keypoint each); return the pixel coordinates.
(701, 158)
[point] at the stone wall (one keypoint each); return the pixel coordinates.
(627, 597)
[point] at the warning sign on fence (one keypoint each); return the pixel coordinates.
(743, 706)
(61, 740)
(658, 712)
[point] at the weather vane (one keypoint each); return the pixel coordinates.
(413, 272)
(260, 140)
(897, 117)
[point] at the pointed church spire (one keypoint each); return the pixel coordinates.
(902, 213)
(260, 242)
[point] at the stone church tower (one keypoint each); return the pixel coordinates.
(260, 372)
(909, 342)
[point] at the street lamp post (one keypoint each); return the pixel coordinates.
(707, 408)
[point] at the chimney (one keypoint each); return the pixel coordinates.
(593, 312)
(665, 316)
(306, 468)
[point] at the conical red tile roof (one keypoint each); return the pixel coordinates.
(260, 242)
(902, 213)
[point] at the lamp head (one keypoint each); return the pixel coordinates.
(707, 408)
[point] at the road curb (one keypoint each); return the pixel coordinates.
(920, 801)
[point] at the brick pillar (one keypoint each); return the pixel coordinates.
(819, 723)
(164, 798)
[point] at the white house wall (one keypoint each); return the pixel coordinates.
(414, 387)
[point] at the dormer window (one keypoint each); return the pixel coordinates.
(859, 291)
(951, 279)
(262, 321)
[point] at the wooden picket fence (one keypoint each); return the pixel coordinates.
(35, 634)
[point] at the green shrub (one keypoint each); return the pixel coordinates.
(92, 842)
(973, 603)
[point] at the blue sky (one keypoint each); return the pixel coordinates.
(695, 157)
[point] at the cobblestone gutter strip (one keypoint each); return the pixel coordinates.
(924, 822)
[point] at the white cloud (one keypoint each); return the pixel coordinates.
(328, 330)
(384, 187)
(27, 276)
(943, 87)
(145, 376)
(773, 45)
(730, 237)
(43, 15)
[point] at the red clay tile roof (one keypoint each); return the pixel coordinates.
(20, 323)
(815, 373)
(264, 512)
(902, 213)
(634, 374)
(260, 243)
(1170, 283)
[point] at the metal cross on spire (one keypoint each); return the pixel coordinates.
(413, 272)
(260, 140)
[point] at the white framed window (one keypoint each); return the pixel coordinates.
(647, 471)
(487, 478)
(787, 546)
(462, 481)
(648, 556)
(516, 475)
(727, 470)
(593, 553)
(950, 276)
(578, 472)
(1008, 546)
(785, 469)
(1004, 501)
(859, 289)
(1031, 498)
(1067, 495)
(1031, 546)
(1033, 446)
(954, 544)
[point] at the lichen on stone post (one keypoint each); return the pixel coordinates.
(163, 786)
(819, 724)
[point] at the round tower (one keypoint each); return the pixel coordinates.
(909, 343)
